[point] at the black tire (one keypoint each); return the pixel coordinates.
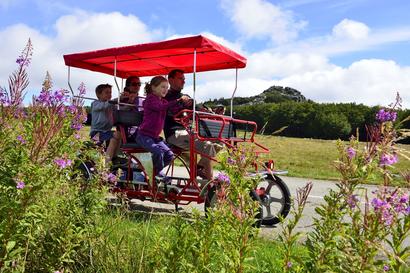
(210, 199)
(259, 214)
(275, 201)
(86, 169)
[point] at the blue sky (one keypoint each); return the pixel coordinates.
(331, 51)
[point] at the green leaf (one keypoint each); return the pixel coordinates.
(10, 245)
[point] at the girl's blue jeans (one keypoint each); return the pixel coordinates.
(160, 152)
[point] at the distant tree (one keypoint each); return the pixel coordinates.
(334, 126)
(278, 106)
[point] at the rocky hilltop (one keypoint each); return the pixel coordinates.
(273, 94)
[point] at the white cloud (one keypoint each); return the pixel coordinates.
(16, 37)
(270, 65)
(85, 31)
(216, 89)
(346, 37)
(80, 31)
(349, 29)
(371, 82)
(261, 19)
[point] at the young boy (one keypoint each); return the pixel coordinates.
(102, 120)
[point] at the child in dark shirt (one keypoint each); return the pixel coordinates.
(102, 120)
(155, 110)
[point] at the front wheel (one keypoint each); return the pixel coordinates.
(275, 199)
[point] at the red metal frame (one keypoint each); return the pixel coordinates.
(186, 190)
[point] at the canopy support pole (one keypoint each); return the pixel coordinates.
(68, 81)
(234, 91)
(193, 134)
(194, 88)
(116, 83)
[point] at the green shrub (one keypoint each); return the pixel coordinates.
(47, 210)
(223, 241)
(349, 236)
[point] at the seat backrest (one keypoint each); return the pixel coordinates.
(210, 128)
(127, 117)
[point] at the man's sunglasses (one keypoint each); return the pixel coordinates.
(135, 84)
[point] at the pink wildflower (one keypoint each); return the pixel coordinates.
(221, 177)
(387, 159)
(352, 201)
(351, 152)
(21, 139)
(389, 204)
(110, 177)
(82, 89)
(231, 161)
(63, 163)
(385, 115)
(20, 185)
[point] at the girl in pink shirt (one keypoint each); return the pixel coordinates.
(155, 110)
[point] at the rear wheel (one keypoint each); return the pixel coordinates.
(275, 199)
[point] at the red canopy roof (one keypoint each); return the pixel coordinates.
(158, 58)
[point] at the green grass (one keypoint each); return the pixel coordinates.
(310, 158)
(132, 242)
(313, 158)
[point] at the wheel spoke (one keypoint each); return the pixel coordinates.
(276, 200)
(270, 185)
(268, 213)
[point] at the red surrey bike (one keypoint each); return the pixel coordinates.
(191, 55)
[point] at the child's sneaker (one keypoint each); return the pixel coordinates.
(164, 179)
(163, 182)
